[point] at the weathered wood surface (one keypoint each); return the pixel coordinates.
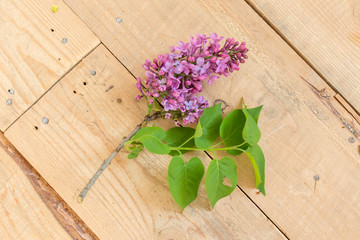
(305, 130)
(326, 33)
(32, 55)
(23, 215)
(88, 116)
(59, 209)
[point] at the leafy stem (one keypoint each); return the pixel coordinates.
(238, 132)
(209, 149)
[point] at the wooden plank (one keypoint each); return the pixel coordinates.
(326, 33)
(32, 55)
(23, 215)
(305, 131)
(64, 215)
(88, 116)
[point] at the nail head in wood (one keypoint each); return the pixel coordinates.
(12, 91)
(8, 102)
(351, 139)
(45, 120)
(64, 40)
(118, 20)
(93, 72)
(316, 177)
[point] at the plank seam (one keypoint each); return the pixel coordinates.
(257, 206)
(101, 41)
(61, 77)
(307, 61)
(62, 212)
(348, 108)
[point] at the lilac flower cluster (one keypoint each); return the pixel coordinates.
(175, 78)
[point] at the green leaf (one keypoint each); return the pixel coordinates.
(154, 145)
(184, 179)
(207, 130)
(231, 130)
(198, 132)
(257, 159)
(151, 138)
(156, 132)
(217, 173)
(135, 152)
(251, 132)
(176, 136)
(239, 127)
(255, 112)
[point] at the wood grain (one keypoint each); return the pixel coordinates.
(131, 199)
(32, 55)
(326, 33)
(305, 130)
(23, 215)
(64, 215)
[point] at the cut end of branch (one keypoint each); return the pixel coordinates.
(80, 199)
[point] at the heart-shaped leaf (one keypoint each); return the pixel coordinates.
(251, 132)
(257, 159)
(231, 130)
(238, 127)
(184, 179)
(216, 173)
(177, 136)
(255, 112)
(207, 130)
(156, 132)
(151, 138)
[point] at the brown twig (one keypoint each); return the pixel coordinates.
(112, 155)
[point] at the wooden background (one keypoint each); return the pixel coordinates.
(303, 66)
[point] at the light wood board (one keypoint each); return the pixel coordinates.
(326, 33)
(88, 116)
(23, 215)
(59, 209)
(304, 131)
(32, 55)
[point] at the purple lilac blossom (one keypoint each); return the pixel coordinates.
(177, 77)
